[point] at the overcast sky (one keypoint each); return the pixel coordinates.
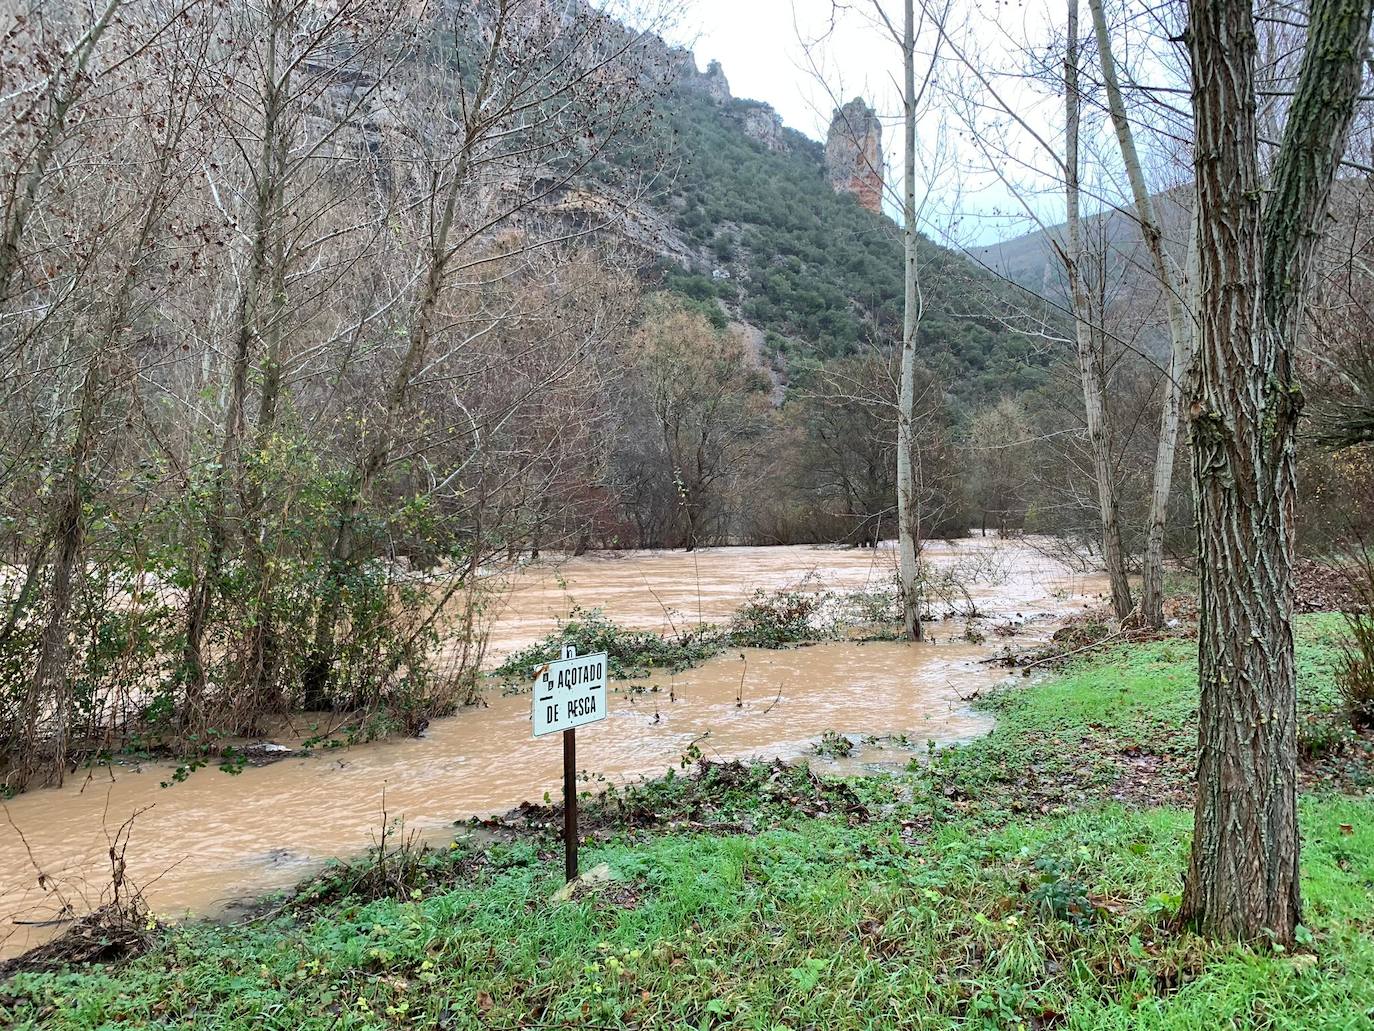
(755, 41)
(758, 43)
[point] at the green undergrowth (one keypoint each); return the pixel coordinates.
(768, 619)
(1056, 922)
(736, 795)
(1028, 879)
(1121, 726)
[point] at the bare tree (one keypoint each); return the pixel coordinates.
(1254, 261)
(40, 124)
(281, 281)
(1088, 335)
(115, 268)
(1180, 330)
(906, 31)
(908, 510)
(706, 410)
(998, 449)
(281, 131)
(1009, 140)
(542, 87)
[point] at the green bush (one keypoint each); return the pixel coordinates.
(629, 653)
(1355, 673)
(772, 619)
(1354, 669)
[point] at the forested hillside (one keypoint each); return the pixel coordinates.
(1112, 238)
(819, 274)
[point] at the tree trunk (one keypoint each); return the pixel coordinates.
(28, 589)
(1180, 334)
(67, 531)
(50, 685)
(1242, 877)
(264, 636)
(377, 449)
(1091, 361)
(268, 202)
(908, 502)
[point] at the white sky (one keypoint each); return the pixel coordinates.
(756, 42)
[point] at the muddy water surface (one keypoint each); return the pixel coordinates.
(200, 845)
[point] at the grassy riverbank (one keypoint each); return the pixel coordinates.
(1027, 879)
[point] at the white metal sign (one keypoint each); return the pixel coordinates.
(569, 692)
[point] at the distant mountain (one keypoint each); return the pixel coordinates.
(750, 217)
(1031, 261)
(784, 236)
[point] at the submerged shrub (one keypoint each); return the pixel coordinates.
(875, 606)
(629, 653)
(771, 619)
(834, 745)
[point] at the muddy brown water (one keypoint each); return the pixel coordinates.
(199, 846)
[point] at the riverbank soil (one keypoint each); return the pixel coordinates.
(1027, 879)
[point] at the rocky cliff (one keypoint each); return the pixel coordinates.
(764, 124)
(710, 196)
(854, 153)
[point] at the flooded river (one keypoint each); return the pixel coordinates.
(201, 845)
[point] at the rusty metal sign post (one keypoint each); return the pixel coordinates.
(569, 693)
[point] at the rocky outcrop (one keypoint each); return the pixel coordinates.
(854, 153)
(755, 345)
(764, 124)
(666, 64)
(680, 68)
(651, 58)
(714, 84)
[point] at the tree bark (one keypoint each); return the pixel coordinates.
(1254, 260)
(267, 205)
(908, 503)
(1089, 346)
(1180, 333)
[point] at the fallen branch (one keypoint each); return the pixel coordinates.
(1015, 661)
(1077, 651)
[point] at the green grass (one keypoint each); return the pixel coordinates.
(940, 898)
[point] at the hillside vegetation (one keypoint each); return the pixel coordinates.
(816, 271)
